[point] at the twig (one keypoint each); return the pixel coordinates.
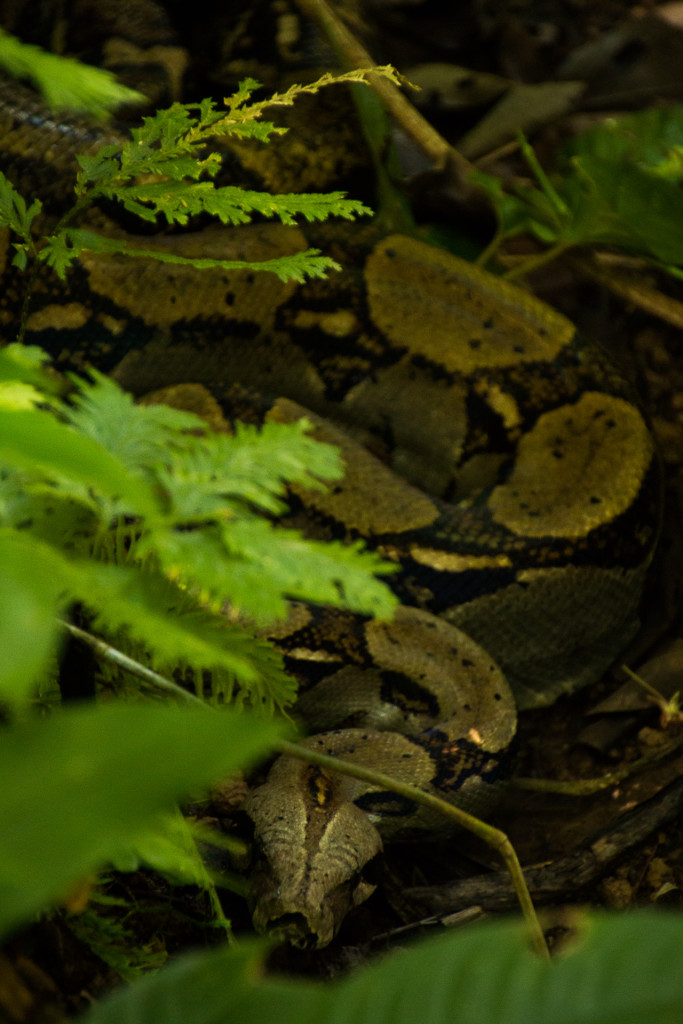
(631, 288)
(415, 126)
(116, 657)
(584, 787)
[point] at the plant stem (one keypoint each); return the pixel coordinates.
(493, 837)
(116, 657)
(534, 262)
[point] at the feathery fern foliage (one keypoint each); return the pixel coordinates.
(158, 527)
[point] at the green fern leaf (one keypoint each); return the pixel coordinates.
(176, 632)
(65, 83)
(140, 436)
(34, 441)
(14, 214)
(257, 567)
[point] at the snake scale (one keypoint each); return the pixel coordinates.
(498, 458)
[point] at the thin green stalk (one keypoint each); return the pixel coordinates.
(82, 204)
(542, 178)
(493, 837)
(116, 657)
(534, 262)
(585, 787)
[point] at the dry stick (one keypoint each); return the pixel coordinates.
(550, 882)
(629, 287)
(493, 837)
(411, 121)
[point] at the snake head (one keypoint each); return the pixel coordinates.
(313, 849)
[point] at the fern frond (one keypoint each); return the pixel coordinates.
(258, 567)
(176, 631)
(178, 202)
(287, 99)
(61, 250)
(14, 213)
(35, 442)
(221, 468)
(38, 583)
(251, 465)
(64, 82)
(157, 174)
(140, 436)
(166, 139)
(177, 507)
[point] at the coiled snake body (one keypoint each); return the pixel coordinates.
(492, 454)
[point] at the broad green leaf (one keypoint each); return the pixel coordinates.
(32, 589)
(645, 139)
(15, 395)
(615, 185)
(220, 987)
(615, 201)
(168, 847)
(81, 785)
(621, 970)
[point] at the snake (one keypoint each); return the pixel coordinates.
(498, 458)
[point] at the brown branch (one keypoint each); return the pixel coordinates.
(351, 53)
(562, 879)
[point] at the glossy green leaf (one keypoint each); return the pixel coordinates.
(81, 785)
(32, 583)
(622, 970)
